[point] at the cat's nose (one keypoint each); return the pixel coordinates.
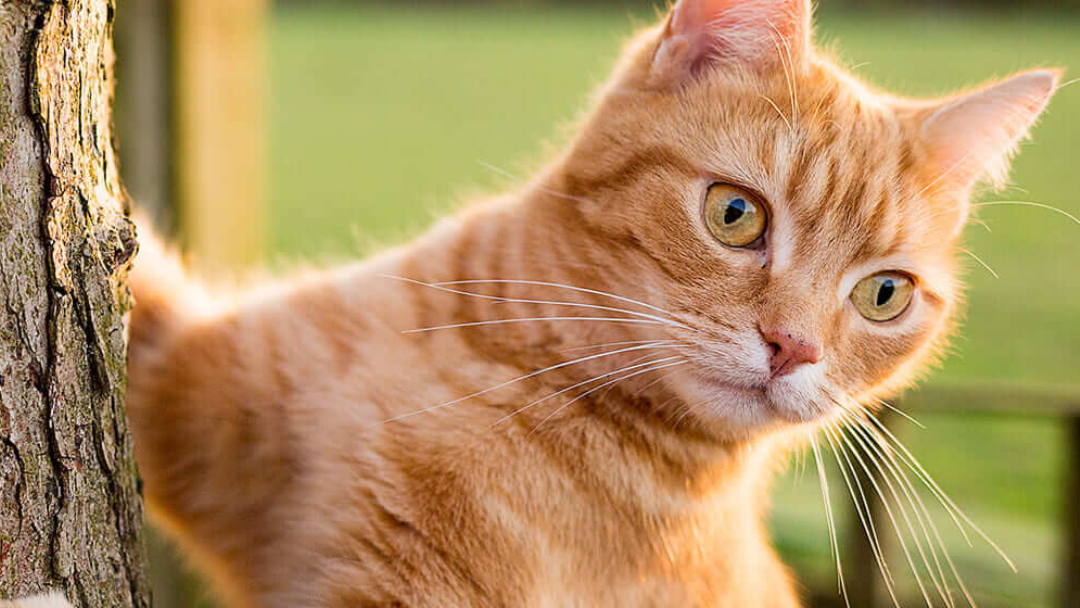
(788, 351)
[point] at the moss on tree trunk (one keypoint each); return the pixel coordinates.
(70, 510)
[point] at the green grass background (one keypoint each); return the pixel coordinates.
(382, 117)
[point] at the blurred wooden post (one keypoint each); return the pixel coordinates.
(190, 128)
(143, 119)
(863, 578)
(1070, 575)
(219, 59)
(144, 108)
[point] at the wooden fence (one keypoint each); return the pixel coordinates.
(1061, 402)
(191, 97)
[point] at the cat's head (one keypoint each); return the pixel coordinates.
(803, 224)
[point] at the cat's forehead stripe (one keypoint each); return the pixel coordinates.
(845, 195)
(630, 169)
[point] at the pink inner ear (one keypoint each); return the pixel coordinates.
(974, 136)
(699, 14)
(751, 31)
(696, 14)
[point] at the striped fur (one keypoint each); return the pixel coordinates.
(278, 431)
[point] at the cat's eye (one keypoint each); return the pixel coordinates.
(883, 297)
(734, 216)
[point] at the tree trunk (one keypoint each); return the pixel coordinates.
(70, 510)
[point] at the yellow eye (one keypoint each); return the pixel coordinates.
(883, 297)
(734, 216)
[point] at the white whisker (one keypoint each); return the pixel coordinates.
(801, 458)
(559, 286)
(1065, 84)
(896, 527)
(583, 383)
(501, 299)
(901, 413)
(1032, 204)
(529, 320)
(912, 497)
(777, 108)
(687, 410)
(892, 519)
(642, 358)
(943, 175)
(877, 439)
(654, 382)
(874, 444)
(862, 508)
(789, 69)
(912, 463)
(606, 384)
(972, 255)
(829, 519)
(684, 406)
(610, 344)
(983, 223)
(872, 535)
(525, 377)
(666, 403)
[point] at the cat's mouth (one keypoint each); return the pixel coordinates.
(770, 401)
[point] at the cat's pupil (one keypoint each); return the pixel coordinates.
(888, 288)
(734, 212)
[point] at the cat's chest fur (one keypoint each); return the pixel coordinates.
(461, 504)
(533, 526)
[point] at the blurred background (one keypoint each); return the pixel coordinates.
(264, 133)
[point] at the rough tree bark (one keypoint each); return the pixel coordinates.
(70, 511)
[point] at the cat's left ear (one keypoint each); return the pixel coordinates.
(757, 34)
(973, 138)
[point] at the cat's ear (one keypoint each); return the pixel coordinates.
(973, 138)
(760, 34)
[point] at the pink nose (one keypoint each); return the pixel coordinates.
(788, 352)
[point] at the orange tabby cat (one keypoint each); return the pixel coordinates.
(741, 242)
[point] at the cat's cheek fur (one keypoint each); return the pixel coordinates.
(887, 357)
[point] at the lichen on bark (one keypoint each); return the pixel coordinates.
(70, 510)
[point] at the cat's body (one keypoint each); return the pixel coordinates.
(741, 242)
(301, 493)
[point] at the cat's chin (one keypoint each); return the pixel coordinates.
(737, 410)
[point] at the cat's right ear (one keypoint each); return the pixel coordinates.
(700, 35)
(971, 138)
